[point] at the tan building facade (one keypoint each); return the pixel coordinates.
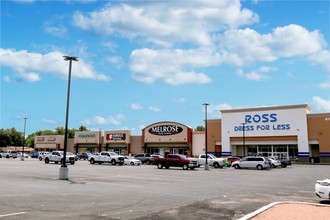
(290, 132)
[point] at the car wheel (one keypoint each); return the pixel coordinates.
(259, 167)
(236, 166)
(72, 162)
(283, 165)
(185, 166)
(167, 167)
(160, 166)
(148, 162)
(7, 157)
(92, 161)
(40, 158)
(132, 163)
(192, 168)
(46, 160)
(113, 162)
(61, 161)
(56, 162)
(216, 165)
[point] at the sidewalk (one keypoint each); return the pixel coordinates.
(290, 211)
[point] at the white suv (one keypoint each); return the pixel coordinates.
(252, 162)
(8, 154)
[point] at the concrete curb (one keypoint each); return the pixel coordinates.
(266, 207)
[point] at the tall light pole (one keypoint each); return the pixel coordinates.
(24, 137)
(64, 171)
(243, 138)
(206, 166)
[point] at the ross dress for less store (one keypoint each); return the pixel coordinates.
(290, 132)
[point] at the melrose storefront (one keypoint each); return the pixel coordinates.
(167, 137)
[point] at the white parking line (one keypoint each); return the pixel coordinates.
(11, 214)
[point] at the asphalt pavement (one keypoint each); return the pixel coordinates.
(31, 189)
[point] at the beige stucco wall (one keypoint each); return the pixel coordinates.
(174, 138)
(117, 137)
(136, 145)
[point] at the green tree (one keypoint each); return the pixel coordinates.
(10, 137)
(200, 128)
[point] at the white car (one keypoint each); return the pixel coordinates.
(19, 155)
(274, 163)
(322, 188)
(132, 161)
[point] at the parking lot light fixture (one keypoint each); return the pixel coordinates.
(206, 166)
(64, 171)
(24, 137)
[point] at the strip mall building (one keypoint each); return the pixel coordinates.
(290, 132)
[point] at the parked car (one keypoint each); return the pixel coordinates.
(107, 157)
(284, 162)
(83, 156)
(176, 160)
(20, 155)
(211, 160)
(8, 154)
(274, 163)
(252, 162)
(322, 188)
(35, 154)
(153, 156)
(145, 158)
(131, 161)
(58, 156)
(230, 160)
(72, 154)
(43, 154)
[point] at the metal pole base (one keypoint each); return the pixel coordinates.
(206, 166)
(64, 173)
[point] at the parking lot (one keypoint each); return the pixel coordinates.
(31, 189)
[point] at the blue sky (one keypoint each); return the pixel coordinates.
(142, 62)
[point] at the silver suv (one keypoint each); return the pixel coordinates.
(8, 154)
(252, 162)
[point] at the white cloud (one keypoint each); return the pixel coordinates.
(117, 61)
(154, 109)
(25, 1)
(180, 21)
(99, 120)
(253, 75)
(180, 100)
(321, 58)
(321, 104)
(288, 41)
(29, 66)
(55, 27)
(6, 79)
(49, 121)
(135, 106)
(171, 66)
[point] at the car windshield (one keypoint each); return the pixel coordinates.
(113, 153)
(212, 156)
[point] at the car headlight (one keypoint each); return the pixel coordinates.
(324, 183)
